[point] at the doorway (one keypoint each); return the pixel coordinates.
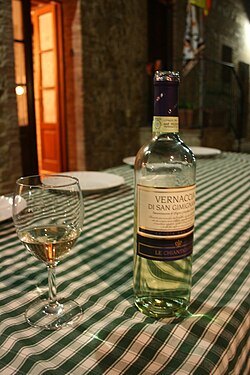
(43, 77)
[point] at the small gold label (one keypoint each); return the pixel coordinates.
(165, 124)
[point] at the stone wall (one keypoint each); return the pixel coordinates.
(227, 24)
(10, 160)
(115, 94)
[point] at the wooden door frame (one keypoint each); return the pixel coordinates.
(61, 89)
(60, 80)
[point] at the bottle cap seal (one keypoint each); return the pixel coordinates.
(166, 76)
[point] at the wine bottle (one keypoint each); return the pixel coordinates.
(164, 210)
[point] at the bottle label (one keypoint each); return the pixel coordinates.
(165, 250)
(165, 222)
(165, 124)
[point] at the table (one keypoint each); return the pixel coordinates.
(113, 337)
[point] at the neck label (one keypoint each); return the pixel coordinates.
(166, 124)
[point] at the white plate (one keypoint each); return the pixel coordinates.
(6, 207)
(96, 181)
(205, 151)
(198, 151)
(130, 160)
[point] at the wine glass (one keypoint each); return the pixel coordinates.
(48, 216)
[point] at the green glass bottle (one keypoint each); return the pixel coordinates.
(165, 171)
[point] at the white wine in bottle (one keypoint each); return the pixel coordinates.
(164, 210)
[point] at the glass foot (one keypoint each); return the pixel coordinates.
(55, 316)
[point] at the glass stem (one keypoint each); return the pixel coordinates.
(52, 297)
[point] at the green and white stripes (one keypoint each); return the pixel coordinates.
(113, 337)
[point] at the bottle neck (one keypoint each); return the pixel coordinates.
(166, 120)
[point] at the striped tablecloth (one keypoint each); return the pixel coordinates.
(113, 337)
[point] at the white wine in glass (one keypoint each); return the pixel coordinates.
(48, 216)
